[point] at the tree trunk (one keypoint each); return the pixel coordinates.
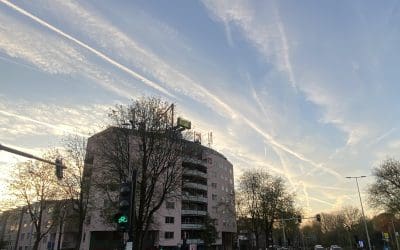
(79, 238)
(60, 234)
(82, 214)
(257, 237)
(37, 242)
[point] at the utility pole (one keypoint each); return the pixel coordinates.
(395, 236)
(283, 232)
(362, 208)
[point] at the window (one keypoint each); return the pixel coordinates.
(22, 236)
(169, 220)
(170, 205)
(169, 235)
(214, 185)
(214, 197)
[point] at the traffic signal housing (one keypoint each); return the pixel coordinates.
(299, 218)
(59, 168)
(318, 217)
(124, 206)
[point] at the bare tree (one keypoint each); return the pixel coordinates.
(152, 147)
(75, 184)
(385, 192)
(35, 185)
(267, 201)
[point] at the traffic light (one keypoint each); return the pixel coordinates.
(299, 218)
(124, 207)
(318, 217)
(59, 168)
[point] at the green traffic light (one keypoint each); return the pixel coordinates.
(123, 219)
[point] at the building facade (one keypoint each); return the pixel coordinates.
(17, 232)
(207, 190)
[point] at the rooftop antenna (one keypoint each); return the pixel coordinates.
(209, 139)
(196, 137)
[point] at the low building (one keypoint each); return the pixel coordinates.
(18, 232)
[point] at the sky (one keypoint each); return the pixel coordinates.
(306, 90)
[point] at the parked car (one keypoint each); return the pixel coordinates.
(318, 247)
(335, 247)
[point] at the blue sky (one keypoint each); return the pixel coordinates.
(304, 89)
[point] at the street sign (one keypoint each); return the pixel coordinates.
(184, 123)
(129, 245)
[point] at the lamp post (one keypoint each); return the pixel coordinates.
(362, 208)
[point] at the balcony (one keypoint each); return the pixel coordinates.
(193, 212)
(196, 173)
(192, 226)
(194, 198)
(194, 241)
(196, 161)
(195, 186)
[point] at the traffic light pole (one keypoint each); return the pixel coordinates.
(57, 162)
(133, 207)
(395, 236)
(17, 152)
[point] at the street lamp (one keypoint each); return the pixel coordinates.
(362, 208)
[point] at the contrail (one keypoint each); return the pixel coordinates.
(288, 150)
(152, 84)
(306, 195)
(322, 201)
(42, 123)
(91, 49)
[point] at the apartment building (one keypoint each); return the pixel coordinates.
(207, 189)
(17, 232)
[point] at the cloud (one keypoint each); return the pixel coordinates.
(177, 80)
(265, 31)
(52, 65)
(50, 119)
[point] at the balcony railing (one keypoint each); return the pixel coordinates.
(195, 173)
(195, 186)
(194, 198)
(196, 161)
(193, 212)
(194, 241)
(192, 226)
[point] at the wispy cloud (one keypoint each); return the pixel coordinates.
(50, 119)
(86, 46)
(268, 36)
(178, 80)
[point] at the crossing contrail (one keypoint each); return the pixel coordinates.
(91, 49)
(222, 104)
